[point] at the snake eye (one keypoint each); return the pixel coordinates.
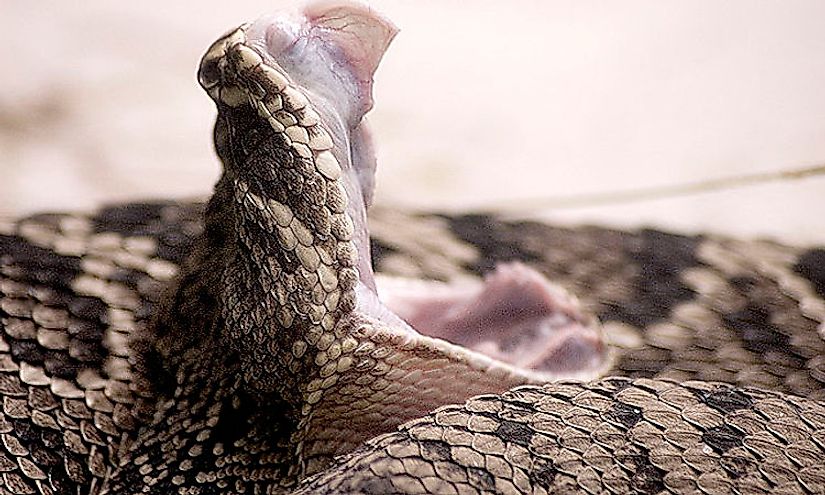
(209, 74)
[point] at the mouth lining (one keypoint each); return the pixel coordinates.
(513, 316)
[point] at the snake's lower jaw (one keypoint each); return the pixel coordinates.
(515, 315)
(512, 329)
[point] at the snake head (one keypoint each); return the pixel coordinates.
(329, 49)
(297, 294)
(292, 90)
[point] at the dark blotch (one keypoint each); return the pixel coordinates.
(723, 438)
(129, 219)
(736, 466)
(624, 414)
(175, 242)
(175, 227)
(378, 252)
(233, 422)
(645, 477)
(481, 479)
(26, 350)
(88, 308)
(811, 265)
(517, 433)
(45, 457)
(51, 439)
(434, 450)
(725, 399)
(86, 330)
(35, 264)
(87, 351)
(756, 330)
(129, 278)
(648, 479)
(60, 481)
(543, 473)
(61, 365)
(372, 485)
(611, 385)
(24, 431)
(495, 240)
(661, 258)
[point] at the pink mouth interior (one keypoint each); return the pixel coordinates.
(515, 315)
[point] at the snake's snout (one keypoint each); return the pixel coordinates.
(330, 50)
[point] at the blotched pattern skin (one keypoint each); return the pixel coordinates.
(656, 436)
(145, 350)
(610, 436)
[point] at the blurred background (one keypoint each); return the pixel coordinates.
(540, 107)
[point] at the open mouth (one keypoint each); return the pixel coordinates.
(515, 315)
(320, 63)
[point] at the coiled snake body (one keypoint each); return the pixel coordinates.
(240, 346)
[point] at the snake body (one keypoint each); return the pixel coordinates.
(239, 346)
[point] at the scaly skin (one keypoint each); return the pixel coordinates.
(105, 273)
(270, 355)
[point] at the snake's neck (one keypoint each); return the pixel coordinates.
(287, 279)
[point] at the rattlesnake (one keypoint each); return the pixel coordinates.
(147, 351)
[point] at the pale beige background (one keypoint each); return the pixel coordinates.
(478, 103)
